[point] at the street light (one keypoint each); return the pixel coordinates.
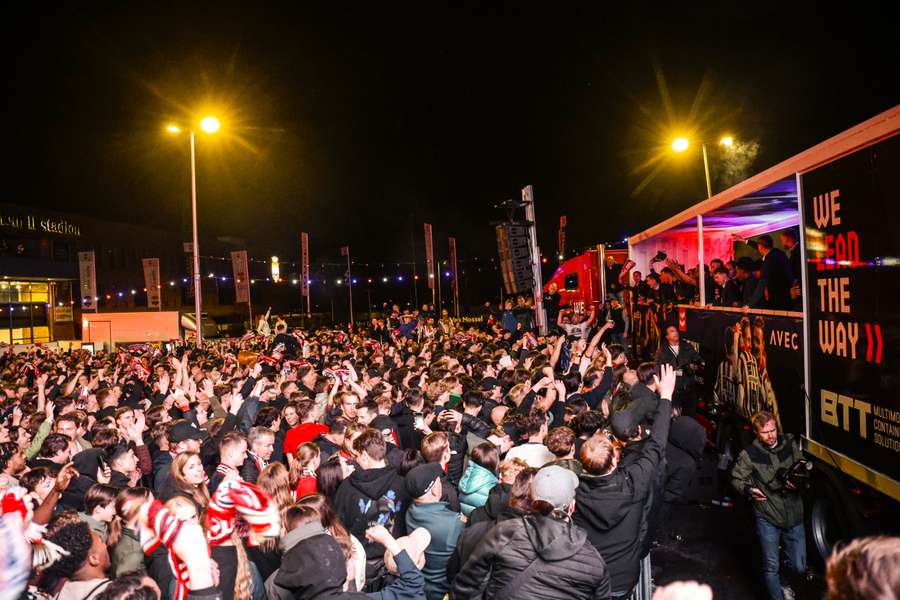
(681, 144)
(209, 125)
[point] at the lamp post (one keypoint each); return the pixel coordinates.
(681, 144)
(209, 125)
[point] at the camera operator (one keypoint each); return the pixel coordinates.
(759, 474)
(685, 361)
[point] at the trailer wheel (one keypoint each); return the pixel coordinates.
(829, 520)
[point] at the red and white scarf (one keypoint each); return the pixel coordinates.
(163, 528)
(228, 472)
(236, 498)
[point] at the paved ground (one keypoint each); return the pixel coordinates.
(719, 546)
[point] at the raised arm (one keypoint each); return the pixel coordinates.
(679, 273)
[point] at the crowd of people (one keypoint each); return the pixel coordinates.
(408, 459)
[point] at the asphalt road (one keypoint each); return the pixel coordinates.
(718, 545)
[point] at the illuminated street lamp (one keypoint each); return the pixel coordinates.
(208, 125)
(680, 144)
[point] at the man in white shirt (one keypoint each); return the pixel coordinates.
(580, 329)
(533, 452)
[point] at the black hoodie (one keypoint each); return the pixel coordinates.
(568, 565)
(611, 507)
(373, 496)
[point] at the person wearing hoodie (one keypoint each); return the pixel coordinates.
(314, 567)
(610, 500)
(479, 477)
(687, 439)
(517, 505)
(541, 555)
(443, 524)
(91, 470)
(374, 493)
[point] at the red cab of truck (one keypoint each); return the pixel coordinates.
(579, 279)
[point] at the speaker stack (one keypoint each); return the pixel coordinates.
(514, 247)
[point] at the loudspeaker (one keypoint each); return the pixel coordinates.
(514, 248)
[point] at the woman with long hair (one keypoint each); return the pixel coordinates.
(303, 470)
(353, 549)
(330, 474)
(479, 478)
(274, 481)
(189, 479)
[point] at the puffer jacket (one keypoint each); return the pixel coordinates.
(568, 563)
(475, 486)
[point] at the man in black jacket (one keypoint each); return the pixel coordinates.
(261, 443)
(684, 360)
(374, 493)
(610, 501)
(774, 289)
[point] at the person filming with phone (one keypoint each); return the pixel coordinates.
(766, 472)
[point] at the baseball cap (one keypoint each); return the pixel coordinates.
(420, 479)
(623, 424)
(555, 485)
(415, 544)
(184, 430)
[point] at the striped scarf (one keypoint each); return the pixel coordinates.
(228, 472)
(162, 529)
(237, 499)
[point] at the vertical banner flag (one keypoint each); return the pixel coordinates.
(452, 244)
(151, 281)
(561, 246)
(88, 277)
(241, 269)
(429, 255)
(304, 264)
(453, 272)
(345, 250)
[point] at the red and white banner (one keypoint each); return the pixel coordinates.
(241, 269)
(345, 250)
(429, 255)
(151, 282)
(304, 264)
(88, 276)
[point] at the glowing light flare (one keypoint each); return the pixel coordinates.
(727, 141)
(173, 129)
(680, 144)
(210, 124)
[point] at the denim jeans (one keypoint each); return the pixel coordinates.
(794, 540)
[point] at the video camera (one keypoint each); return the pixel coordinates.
(796, 477)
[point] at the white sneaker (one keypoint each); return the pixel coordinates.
(788, 593)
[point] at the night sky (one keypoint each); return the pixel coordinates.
(357, 125)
